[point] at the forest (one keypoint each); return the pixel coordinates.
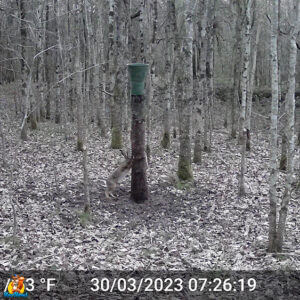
(150, 136)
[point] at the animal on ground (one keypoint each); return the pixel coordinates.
(118, 175)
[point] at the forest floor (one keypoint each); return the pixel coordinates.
(205, 225)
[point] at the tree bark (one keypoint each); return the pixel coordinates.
(291, 125)
(48, 63)
(139, 185)
(154, 13)
(256, 35)
(244, 86)
(273, 131)
(80, 110)
(201, 100)
(236, 68)
(166, 141)
(185, 84)
(119, 90)
(208, 104)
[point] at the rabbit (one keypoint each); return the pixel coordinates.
(118, 175)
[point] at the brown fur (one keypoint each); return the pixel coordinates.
(117, 176)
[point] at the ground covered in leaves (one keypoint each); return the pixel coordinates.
(204, 225)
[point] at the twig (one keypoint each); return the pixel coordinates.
(42, 258)
(107, 93)
(262, 116)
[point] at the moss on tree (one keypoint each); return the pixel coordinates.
(165, 143)
(116, 139)
(174, 133)
(197, 159)
(248, 141)
(79, 145)
(184, 169)
(283, 162)
(33, 123)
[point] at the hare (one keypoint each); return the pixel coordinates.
(118, 175)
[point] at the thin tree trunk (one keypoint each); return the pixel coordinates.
(48, 63)
(119, 86)
(244, 87)
(257, 30)
(41, 67)
(110, 67)
(185, 83)
(273, 131)
(101, 74)
(202, 86)
(175, 63)
(141, 54)
(167, 89)
(208, 105)
(58, 64)
(63, 83)
(87, 202)
(80, 110)
(25, 71)
(236, 69)
(283, 108)
(150, 79)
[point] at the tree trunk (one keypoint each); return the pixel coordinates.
(141, 54)
(273, 131)
(101, 73)
(87, 202)
(111, 72)
(167, 89)
(283, 157)
(80, 110)
(25, 71)
(199, 109)
(208, 104)
(291, 125)
(48, 63)
(154, 12)
(244, 88)
(256, 31)
(119, 90)
(236, 68)
(139, 186)
(58, 64)
(185, 83)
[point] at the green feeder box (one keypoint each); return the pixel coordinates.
(137, 74)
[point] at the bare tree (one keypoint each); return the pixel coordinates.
(199, 109)
(79, 89)
(100, 72)
(119, 90)
(256, 29)
(47, 61)
(167, 88)
(153, 13)
(209, 94)
(273, 131)
(25, 68)
(185, 93)
(238, 8)
(244, 88)
(291, 123)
